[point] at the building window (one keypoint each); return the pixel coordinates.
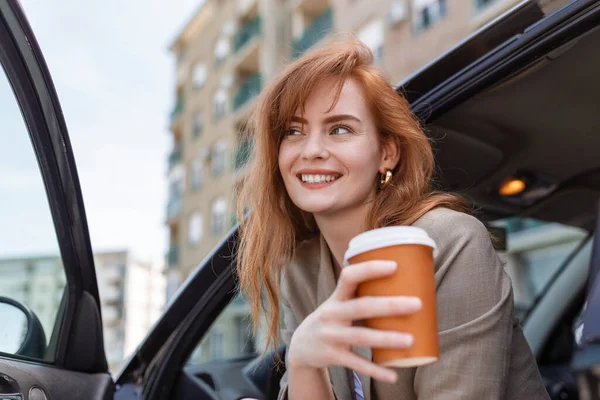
(219, 104)
(443, 7)
(199, 75)
(222, 48)
(197, 124)
(195, 228)
(481, 4)
(218, 156)
(428, 12)
(176, 181)
(197, 172)
(372, 35)
(244, 336)
(217, 338)
(218, 216)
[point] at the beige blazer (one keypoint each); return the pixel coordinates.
(483, 352)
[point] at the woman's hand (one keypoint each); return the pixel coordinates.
(325, 337)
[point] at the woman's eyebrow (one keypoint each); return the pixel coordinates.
(300, 120)
(329, 119)
(340, 117)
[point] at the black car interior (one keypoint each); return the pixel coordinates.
(542, 120)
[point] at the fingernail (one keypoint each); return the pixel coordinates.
(392, 377)
(415, 303)
(390, 264)
(408, 339)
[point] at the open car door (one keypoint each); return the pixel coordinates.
(51, 346)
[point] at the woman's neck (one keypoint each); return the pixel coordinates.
(338, 230)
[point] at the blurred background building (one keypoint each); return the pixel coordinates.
(224, 55)
(132, 295)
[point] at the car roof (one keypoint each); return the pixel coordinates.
(499, 31)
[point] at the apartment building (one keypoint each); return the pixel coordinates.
(225, 54)
(132, 295)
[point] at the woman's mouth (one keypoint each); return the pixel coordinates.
(317, 181)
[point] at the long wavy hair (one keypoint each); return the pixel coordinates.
(275, 225)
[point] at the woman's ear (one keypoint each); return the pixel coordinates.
(390, 155)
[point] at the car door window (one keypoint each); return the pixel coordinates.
(535, 251)
(230, 337)
(32, 276)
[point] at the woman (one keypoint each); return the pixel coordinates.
(338, 152)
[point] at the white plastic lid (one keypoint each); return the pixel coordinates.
(386, 237)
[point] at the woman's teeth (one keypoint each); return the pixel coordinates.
(318, 178)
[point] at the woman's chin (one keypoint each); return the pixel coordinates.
(316, 208)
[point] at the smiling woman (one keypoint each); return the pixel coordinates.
(338, 152)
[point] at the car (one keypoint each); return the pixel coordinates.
(514, 104)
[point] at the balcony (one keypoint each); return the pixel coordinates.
(481, 4)
(173, 256)
(309, 7)
(110, 314)
(246, 47)
(113, 273)
(429, 15)
(247, 90)
(320, 27)
(174, 207)
(177, 109)
(175, 157)
(183, 70)
(246, 7)
(111, 294)
(250, 29)
(242, 154)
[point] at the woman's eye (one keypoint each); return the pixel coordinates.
(292, 132)
(340, 130)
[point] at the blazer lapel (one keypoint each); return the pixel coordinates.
(326, 286)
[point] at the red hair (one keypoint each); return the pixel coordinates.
(269, 236)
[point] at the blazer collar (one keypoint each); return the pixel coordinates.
(340, 378)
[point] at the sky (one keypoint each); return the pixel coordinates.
(115, 79)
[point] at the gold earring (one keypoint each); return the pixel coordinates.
(385, 179)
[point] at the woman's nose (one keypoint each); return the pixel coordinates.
(314, 147)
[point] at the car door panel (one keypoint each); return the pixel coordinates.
(75, 366)
(58, 383)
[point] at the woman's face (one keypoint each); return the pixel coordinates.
(330, 161)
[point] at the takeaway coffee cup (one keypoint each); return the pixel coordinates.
(414, 251)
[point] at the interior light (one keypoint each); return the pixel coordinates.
(512, 186)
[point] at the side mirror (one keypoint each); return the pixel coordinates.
(21, 332)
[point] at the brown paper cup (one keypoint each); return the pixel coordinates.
(413, 250)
